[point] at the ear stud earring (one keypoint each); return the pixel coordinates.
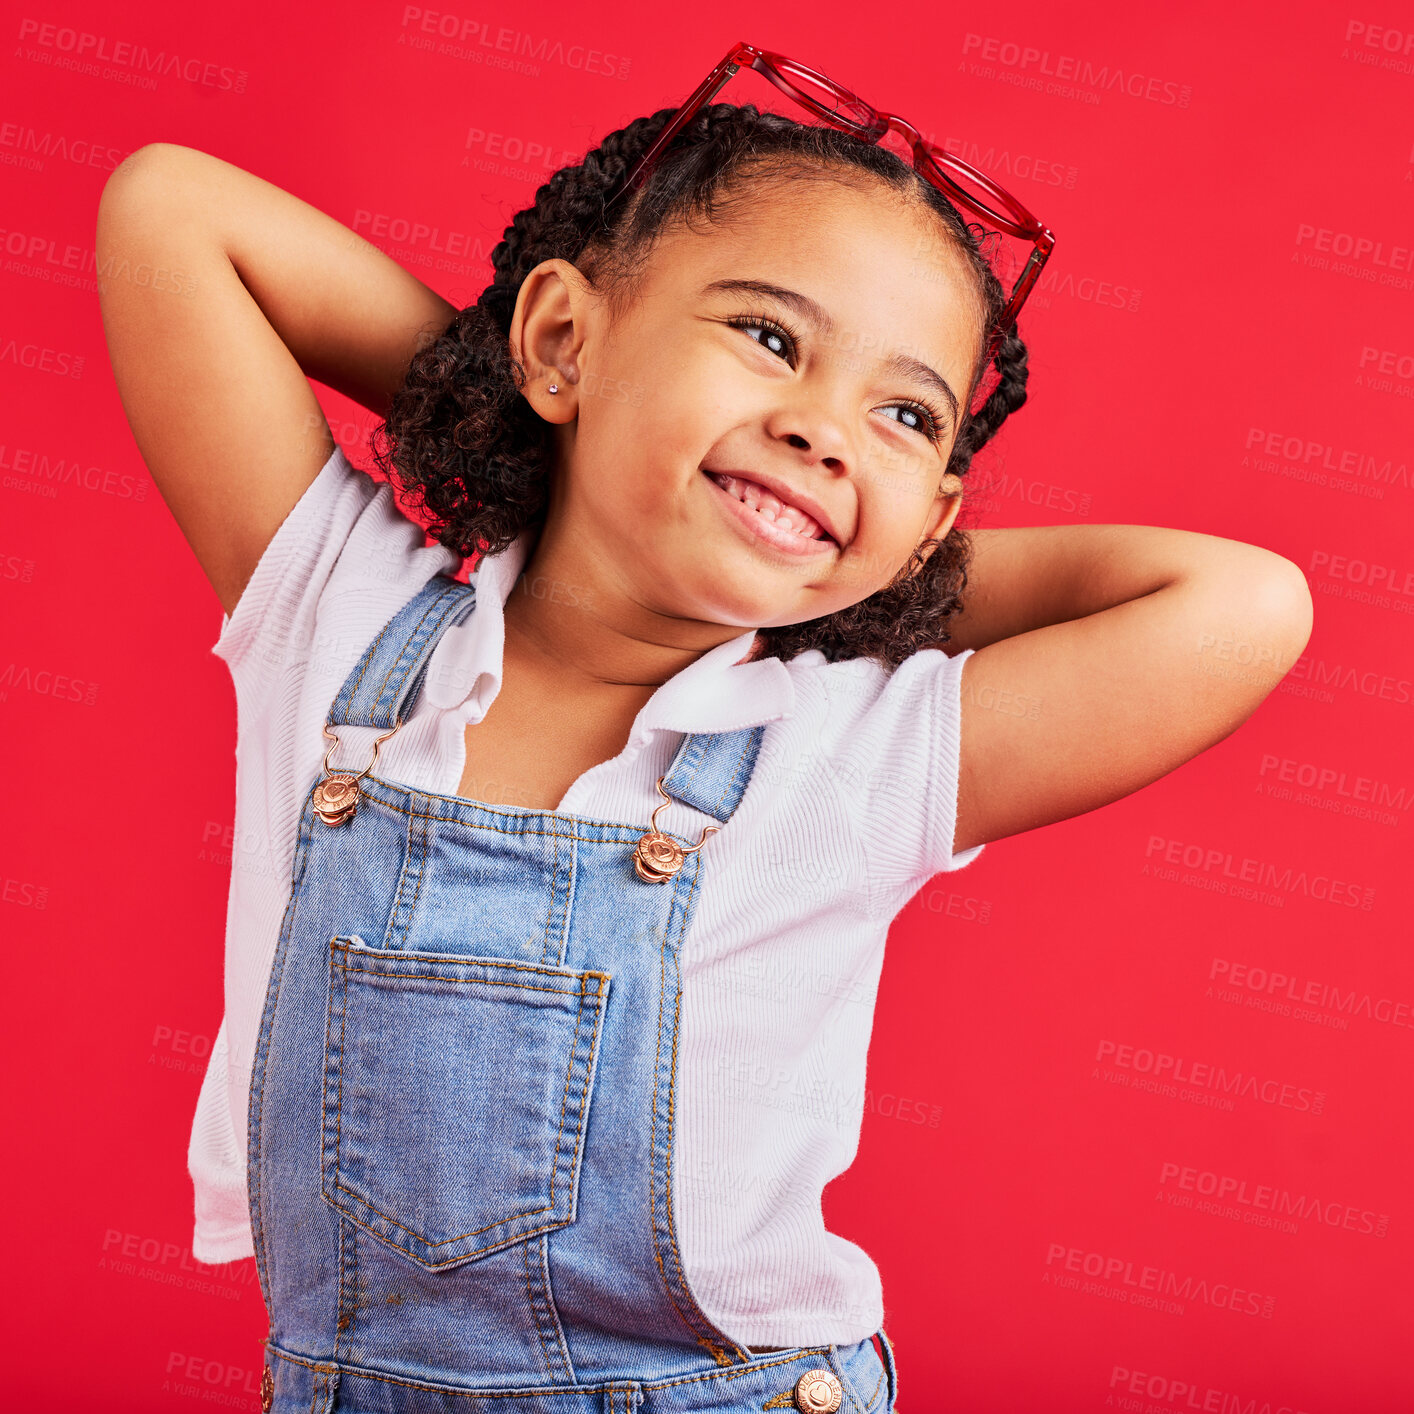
(554, 388)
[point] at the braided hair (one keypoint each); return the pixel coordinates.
(469, 449)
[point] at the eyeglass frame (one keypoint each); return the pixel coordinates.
(928, 161)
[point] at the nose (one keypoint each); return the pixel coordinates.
(815, 428)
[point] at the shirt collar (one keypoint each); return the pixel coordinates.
(714, 693)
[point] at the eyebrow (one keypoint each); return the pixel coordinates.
(901, 364)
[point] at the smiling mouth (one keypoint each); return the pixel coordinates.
(783, 526)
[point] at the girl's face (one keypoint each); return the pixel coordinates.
(819, 341)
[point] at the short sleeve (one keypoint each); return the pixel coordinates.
(279, 600)
(945, 739)
(899, 763)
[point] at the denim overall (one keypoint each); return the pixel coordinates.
(461, 1107)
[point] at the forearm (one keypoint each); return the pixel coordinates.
(351, 316)
(1030, 577)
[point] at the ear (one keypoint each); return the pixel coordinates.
(546, 335)
(944, 509)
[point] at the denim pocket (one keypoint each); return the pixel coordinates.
(456, 1092)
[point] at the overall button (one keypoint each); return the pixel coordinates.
(818, 1392)
(267, 1390)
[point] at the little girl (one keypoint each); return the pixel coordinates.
(561, 892)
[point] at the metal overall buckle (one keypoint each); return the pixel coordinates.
(336, 796)
(656, 857)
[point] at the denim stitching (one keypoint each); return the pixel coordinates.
(549, 912)
(565, 1098)
(434, 977)
(411, 661)
(254, 1137)
(370, 655)
(714, 1344)
(348, 1260)
(360, 1372)
(424, 845)
(700, 752)
(846, 1382)
(347, 1243)
(544, 969)
(411, 649)
(542, 1249)
(565, 896)
(530, 1300)
(630, 833)
(437, 977)
(740, 761)
(653, 1138)
(398, 923)
(873, 1394)
(345, 968)
(890, 1365)
(531, 1304)
(702, 755)
(726, 1342)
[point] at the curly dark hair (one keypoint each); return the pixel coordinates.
(468, 448)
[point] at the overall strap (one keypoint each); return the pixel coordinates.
(389, 675)
(712, 769)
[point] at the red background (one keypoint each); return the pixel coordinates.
(1198, 360)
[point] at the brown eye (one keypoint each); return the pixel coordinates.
(776, 338)
(925, 420)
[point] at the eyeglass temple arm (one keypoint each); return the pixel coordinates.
(1030, 274)
(1039, 255)
(707, 89)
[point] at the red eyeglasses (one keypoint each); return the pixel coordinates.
(842, 109)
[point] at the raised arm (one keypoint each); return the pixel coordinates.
(1106, 656)
(221, 294)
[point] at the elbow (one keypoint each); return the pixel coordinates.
(1281, 600)
(145, 162)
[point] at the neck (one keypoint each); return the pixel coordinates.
(574, 619)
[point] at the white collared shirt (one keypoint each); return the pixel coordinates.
(850, 810)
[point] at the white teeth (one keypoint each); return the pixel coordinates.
(772, 507)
